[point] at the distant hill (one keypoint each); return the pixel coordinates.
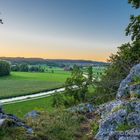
(52, 62)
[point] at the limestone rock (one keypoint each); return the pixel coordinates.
(82, 108)
(133, 134)
(109, 124)
(33, 114)
(9, 120)
(133, 119)
(124, 88)
(120, 119)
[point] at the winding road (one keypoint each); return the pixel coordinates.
(30, 97)
(33, 96)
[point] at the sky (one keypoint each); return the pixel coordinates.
(63, 29)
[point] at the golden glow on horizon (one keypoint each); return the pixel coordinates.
(21, 50)
(21, 45)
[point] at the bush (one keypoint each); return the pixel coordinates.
(4, 68)
(58, 125)
(14, 133)
(24, 67)
(126, 57)
(95, 127)
(15, 67)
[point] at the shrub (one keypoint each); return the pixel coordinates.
(95, 127)
(4, 68)
(124, 127)
(13, 133)
(126, 57)
(58, 125)
(24, 67)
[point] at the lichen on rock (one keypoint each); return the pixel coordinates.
(120, 119)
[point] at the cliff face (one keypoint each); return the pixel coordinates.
(120, 119)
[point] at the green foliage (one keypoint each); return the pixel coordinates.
(77, 89)
(126, 57)
(59, 125)
(124, 127)
(118, 108)
(15, 67)
(78, 80)
(13, 133)
(24, 67)
(4, 68)
(90, 75)
(136, 81)
(58, 100)
(1, 22)
(22, 108)
(36, 69)
(135, 3)
(133, 28)
(23, 83)
(95, 127)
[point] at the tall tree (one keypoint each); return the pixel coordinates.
(133, 28)
(135, 3)
(78, 80)
(90, 75)
(126, 56)
(4, 68)
(1, 21)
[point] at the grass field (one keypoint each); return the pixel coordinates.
(21, 108)
(22, 83)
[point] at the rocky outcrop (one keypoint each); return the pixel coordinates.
(133, 134)
(9, 120)
(125, 89)
(82, 108)
(33, 114)
(120, 119)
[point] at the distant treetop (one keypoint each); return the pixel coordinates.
(1, 21)
(135, 3)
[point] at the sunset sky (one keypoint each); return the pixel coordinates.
(63, 29)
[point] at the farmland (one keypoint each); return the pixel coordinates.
(26, 82)
(23, 83)
(21, 108)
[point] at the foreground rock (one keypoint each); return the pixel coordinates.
(120, 119)
(9, 120)
(33, 114)
(82, 108)
(126, 89)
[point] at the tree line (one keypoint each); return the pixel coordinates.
(27, 68)
(6, 68)
(128, 54)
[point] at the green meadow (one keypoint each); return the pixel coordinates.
(23, 83)
(21, 108)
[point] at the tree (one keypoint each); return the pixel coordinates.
(90, 75)
(80, 89)
(15, 67)
(24, 67)
(126, 57)
(1, 21)
(121, 62)
(4, 68)
(135, 3)
(133, 28)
